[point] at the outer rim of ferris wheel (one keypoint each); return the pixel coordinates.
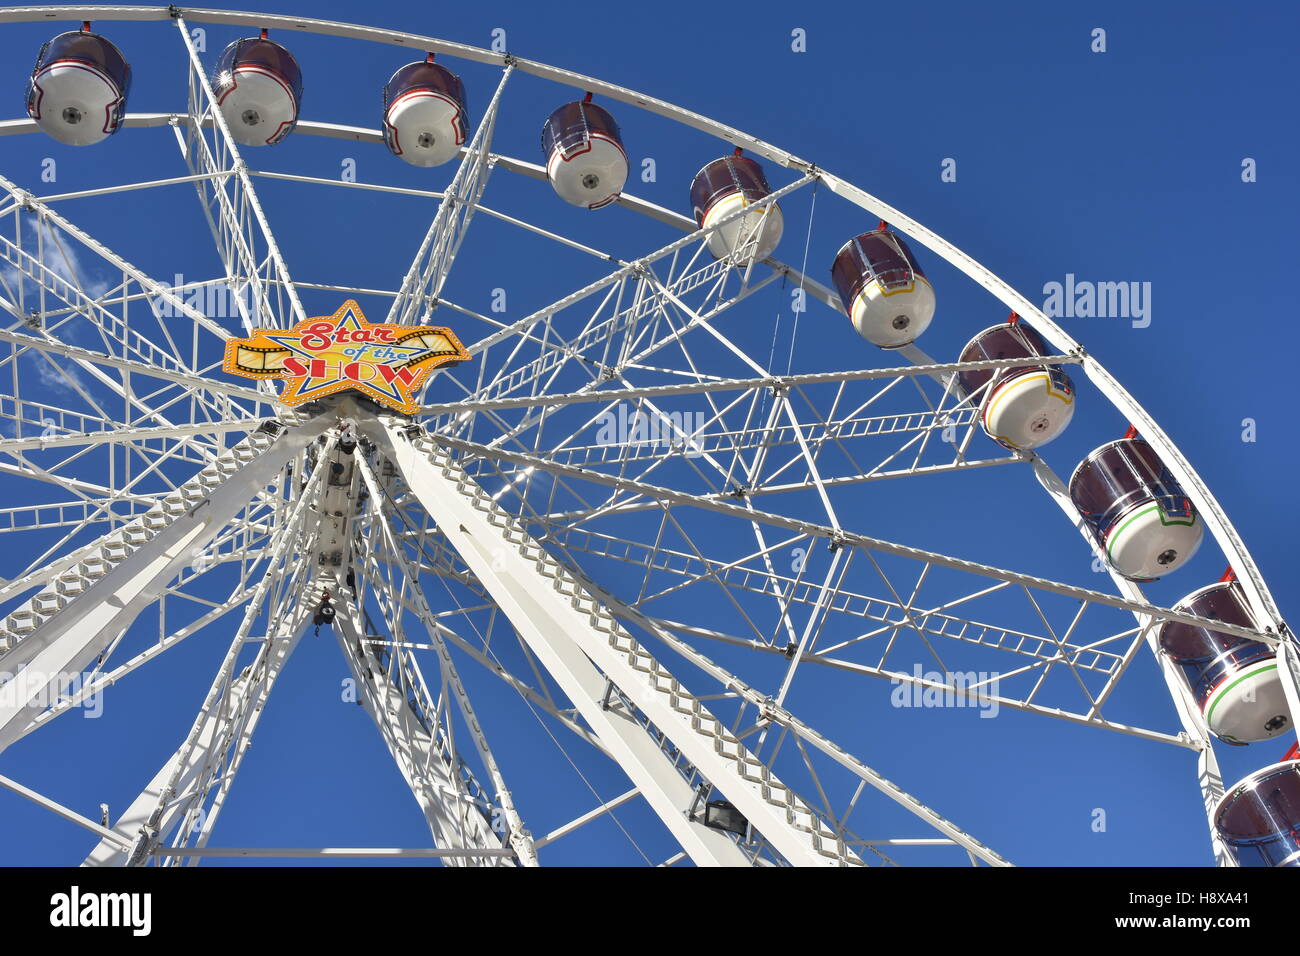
(1261, 603)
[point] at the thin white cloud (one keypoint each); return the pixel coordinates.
(60, 255)
(60, 377)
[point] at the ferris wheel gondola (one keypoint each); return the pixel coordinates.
(1259, 818)
(425, 119)
(77, 90)
(1234, 679)
(884, 290)
(258, 85)
(585, 159)
(1141, 517)
(722, 192)
(1025, 406)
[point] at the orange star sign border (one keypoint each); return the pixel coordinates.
(342, 352)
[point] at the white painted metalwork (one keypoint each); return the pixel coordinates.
(499, 530)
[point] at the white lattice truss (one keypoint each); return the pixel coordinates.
(478, 537)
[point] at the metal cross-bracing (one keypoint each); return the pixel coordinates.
(559, 618)
(72, 620)
(243, 236)
(415, 725)
(43, 286)
(669, 785)
(406, 667)
(457, 820)
(650, 478)
(424, 280)
(771, 711)
(182, 802)
(685, 566)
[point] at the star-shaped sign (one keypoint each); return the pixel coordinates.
(341, 352)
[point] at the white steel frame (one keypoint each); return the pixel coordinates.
(411, 510)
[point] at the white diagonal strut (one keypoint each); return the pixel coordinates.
(559, 620)
(216, 743)
(518, 835)
(71, 621)
(239, 251)
(619, 736)
(428, 270)
(455, 820)
(230, 711)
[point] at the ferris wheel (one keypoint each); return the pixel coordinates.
(622, 513)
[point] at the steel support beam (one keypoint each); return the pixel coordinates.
(64, 627)
(222, 731)
(456, 822)
(563, 623)
(241, 706)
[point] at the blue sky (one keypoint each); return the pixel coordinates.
(1117, 166)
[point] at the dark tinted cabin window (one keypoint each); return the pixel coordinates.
(1119, 475)
(873, 256)
(1005, 341)
(1206, 656)
(570, 128)
(725, 176)
(266, 54)
(424, 76)
(88, 48)
(1263, 822)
